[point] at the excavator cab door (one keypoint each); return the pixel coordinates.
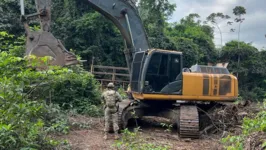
(175, 75)
(137, 67)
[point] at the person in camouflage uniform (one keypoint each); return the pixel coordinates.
(110, 99)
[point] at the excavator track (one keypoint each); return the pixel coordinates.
(189, 121)
(129, 110)
(121, 122)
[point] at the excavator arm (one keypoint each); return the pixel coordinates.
(122, 13)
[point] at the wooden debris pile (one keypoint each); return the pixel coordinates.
(229, 117)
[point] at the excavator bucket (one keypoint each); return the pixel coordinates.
(42, 43)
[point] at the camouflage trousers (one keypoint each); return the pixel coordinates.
(111, 116)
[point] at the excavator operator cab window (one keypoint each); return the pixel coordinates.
(162, 70)
(136, 71)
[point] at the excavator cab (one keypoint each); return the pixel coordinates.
(157, 72)
(159, 75)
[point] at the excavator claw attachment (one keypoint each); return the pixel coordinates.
(43, 43)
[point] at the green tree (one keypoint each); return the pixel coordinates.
(87, 32)
(201, 35)
(190, 20)
(7, 43)
(154, 14)
(216, 19)
(251, 71)
(190, 50)
(239, 11)
(10, 16)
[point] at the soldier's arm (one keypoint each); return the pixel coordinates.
(119, 98)
(102, 99)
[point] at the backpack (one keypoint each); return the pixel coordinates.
(110, 97)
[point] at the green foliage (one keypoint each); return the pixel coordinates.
(26, 120)
(255, 124)
(168, 126)
(75, 90)
(231, 52)
(133, 141)
(216, 17)
(56, 120)
(249, 64)
(190, 20)
(94, 35)
(10, 16)
(11, 43)
(236, 142)
(22, 123)
(26, 96)
(122, 92)
(200, 48)
(190, 51)
(250, 126)
(155, 24)
(163, 8)
(239, 10)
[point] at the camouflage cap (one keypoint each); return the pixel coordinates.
(110, 85)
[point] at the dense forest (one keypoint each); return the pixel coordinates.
(89, 34)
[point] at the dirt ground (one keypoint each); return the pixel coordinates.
(92, 138)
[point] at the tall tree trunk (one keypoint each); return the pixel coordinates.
(238, 61)
(221, 39)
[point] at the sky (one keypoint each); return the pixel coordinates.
(253, 29)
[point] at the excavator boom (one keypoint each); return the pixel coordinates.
(125, 16)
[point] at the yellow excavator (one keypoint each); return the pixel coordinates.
(159, 85)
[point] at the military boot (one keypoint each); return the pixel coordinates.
(116, 136)
(105, 136)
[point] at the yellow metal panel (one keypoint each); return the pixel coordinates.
(192, 84)
(207, 77)
(200, 87)
(225, 80)
(235, 86)
(181, 97)
(214, 85)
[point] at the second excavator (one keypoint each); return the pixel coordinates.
(159, 85)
